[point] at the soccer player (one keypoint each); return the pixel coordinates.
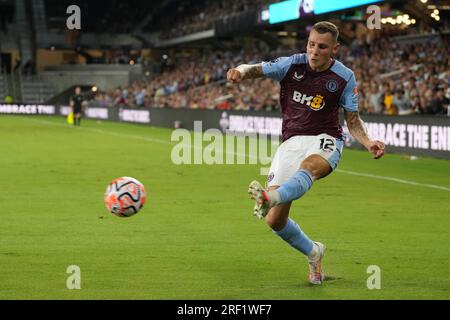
(313, 88)
(76, 104)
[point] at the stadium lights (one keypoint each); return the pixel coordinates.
(94, 89)
(435, 15)
(424, 1)
(400, 19)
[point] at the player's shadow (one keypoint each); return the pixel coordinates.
(331, 278)
(327, 279)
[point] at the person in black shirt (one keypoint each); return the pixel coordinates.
(76, 104)
(439, 104)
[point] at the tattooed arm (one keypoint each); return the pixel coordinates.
(245, 71)
(359, 132)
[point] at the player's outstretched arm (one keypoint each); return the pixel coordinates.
(245, 71)
(359, 132)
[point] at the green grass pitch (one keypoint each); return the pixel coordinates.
(196, 237)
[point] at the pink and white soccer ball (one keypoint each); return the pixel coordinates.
(125, 196)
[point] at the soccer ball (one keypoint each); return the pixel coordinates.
(125, 196)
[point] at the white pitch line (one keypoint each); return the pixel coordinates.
(120, 135)
(393, 179)
(124, 135)
(367, 175)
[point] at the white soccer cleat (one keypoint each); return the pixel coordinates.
(258, 194)
(316, 275)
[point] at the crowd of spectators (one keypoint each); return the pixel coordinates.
(392, 79)
(198, 83)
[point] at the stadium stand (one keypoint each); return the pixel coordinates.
(101, 16)
(383, 68)
(187, 17)
(35, 90)
(402, 70)
(6, 15)
(2, 87)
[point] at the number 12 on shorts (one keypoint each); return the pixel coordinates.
(327, 144)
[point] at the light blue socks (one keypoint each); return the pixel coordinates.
(292, 234)
(291, 190)
(295, 187)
